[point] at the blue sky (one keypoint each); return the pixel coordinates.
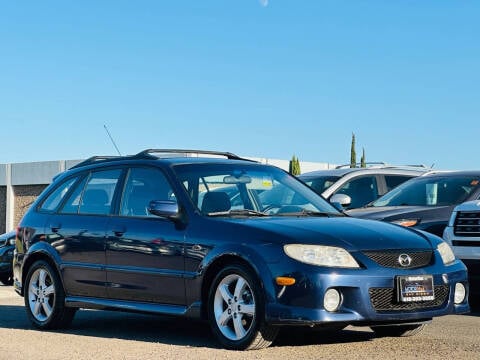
(258, 78)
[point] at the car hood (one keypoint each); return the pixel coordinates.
(349, 233)
(400, 212)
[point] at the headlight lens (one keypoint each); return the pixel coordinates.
(446, 253)
(321, 255)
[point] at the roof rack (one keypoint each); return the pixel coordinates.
(384, 165)
(381, 163)
(149, 154)
(95, 159)
(187, 153)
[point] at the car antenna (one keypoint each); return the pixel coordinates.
(111, 138)
(431, 167)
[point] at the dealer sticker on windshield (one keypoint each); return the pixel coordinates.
(415, 288)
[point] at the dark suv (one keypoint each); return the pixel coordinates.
(7, 244)
(157, 232)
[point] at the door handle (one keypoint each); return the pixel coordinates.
(119, 231)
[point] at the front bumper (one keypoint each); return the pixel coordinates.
(368, 297)
(467, 249)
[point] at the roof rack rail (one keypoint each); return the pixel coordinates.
(149, 154)
(385, 165)
(95, 159)
(381, 163)
(409, 166)
(186, 152)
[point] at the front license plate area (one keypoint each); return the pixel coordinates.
(415, 288)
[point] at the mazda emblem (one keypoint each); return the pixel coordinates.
(404, 260)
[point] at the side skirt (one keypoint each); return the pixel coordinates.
(192, 311)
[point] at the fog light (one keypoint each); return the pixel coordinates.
(460, 293)
(332, 300)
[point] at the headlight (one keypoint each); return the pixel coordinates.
(446, 253)
(406, 222)
(321, 255)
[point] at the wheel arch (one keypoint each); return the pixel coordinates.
(40, 254)
(227, 259)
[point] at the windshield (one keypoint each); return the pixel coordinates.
(320, 183)
(430, 191)
(249, 190)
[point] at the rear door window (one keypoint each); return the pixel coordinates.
(94, 195)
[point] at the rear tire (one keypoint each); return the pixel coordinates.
(45, 298)
(236, 310)
(398, 331)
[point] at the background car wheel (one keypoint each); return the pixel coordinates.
(45, 298)
(396, 331)
(6, 279)
(236, 310)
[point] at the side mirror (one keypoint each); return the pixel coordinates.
(164, 208)
(342, 199)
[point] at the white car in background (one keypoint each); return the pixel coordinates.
(463, 234)
(356, 187)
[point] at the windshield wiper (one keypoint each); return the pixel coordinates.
(309, 213)
(238, 212)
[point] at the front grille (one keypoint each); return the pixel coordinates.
(390, 258)
(385, 299)
(467, 223)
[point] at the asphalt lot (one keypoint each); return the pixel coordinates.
(115, 335)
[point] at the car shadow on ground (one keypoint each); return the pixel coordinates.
(169, 330)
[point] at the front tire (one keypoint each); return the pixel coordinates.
(45, 298)
(398, 331)
(236, 310)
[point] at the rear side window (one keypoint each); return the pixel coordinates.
(56, 197)
(95, 195)
(393, 181)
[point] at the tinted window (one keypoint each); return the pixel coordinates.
(361, 190)
(54, 199)
(430, 191)
(73, 201)
(144, 185)
(392, 181)
(322, 183)
(95, 195)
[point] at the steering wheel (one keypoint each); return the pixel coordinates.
(269, 208)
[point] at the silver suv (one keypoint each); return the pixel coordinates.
(463, 234)
(356, 187)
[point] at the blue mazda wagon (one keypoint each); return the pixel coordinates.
(195, 234)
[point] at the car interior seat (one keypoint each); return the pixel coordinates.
(138, 201)
(216, 201)
(95, 201)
